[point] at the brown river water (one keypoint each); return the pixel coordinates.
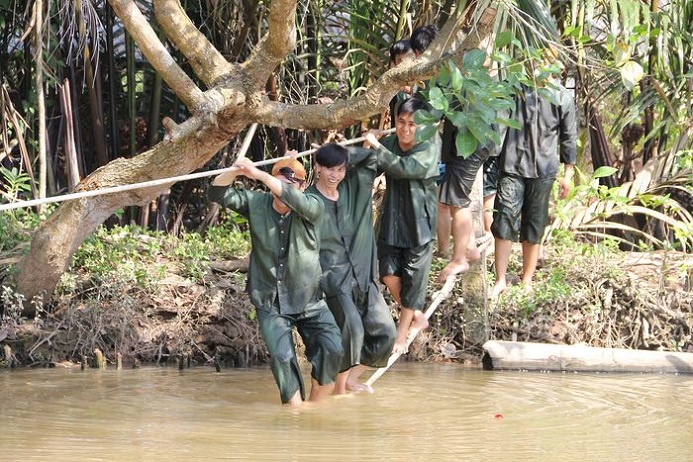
(419, 412)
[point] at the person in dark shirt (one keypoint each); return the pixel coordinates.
(284, 274)
(344, 182)
(529, 162)
(407, 218)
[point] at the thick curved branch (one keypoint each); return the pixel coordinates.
(346, 112)
(157, 55)
(279, 40)
(378, 95)
(206, 61)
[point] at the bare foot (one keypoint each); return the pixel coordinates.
(498, 289)
(441, 253)
(417, 325)
(473, 254)
(527, 288)
(400, 346)
(453, 268)
(357, 387)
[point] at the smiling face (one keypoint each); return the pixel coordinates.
(405, 128)
(330, 177)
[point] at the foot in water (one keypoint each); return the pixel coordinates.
(453, 268)
(357, 387)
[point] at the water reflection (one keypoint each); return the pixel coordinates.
(419, 412)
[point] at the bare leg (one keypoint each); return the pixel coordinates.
(462, 230)
(394, 286)
(409, 325)
(406, 316)
(319, 392)
(340, 383)
(443, 229)
(488, 212)
(530, 256)
(502, 256)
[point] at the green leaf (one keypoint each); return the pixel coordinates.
(437, 99)
(604, 171)
(423, 117)
(425, 132)
(456, 79)
(465, 143)
(512, 123)
(631, 74)
(474, 59)
(503, 39)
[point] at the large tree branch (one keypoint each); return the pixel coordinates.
(206, 61)
(279, 40)
(377, 96)
(157, 55)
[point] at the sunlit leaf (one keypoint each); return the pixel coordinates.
(604, 171)
(631, 74)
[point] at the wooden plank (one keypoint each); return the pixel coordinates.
(502, 355)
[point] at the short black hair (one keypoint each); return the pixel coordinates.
(400, 47)
(422, 37)
(331, 155)
(411, 105)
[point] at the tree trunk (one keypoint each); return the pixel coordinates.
(579, 358)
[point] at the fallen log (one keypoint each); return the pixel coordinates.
(501, 355)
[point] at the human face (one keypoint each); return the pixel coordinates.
(331, 176)
(405, 128)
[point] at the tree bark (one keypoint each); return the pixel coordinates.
(235, 99)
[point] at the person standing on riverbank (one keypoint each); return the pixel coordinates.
(528, 168)
(344, 182)
(284, 274)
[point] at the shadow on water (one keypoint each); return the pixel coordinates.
(418, 412)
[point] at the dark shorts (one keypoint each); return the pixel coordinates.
(521, 208)
(458, 179)
(491, 174)
(368, 330)
(413, 266)
(322, 340)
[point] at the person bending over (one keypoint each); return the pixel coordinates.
(284, 274)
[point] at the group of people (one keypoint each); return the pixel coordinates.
(316, 257)
(310, 241)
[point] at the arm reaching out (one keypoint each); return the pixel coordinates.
(246, 168)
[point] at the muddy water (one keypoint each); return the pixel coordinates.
(419, 412)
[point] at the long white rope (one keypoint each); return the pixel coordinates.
(161, 181)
